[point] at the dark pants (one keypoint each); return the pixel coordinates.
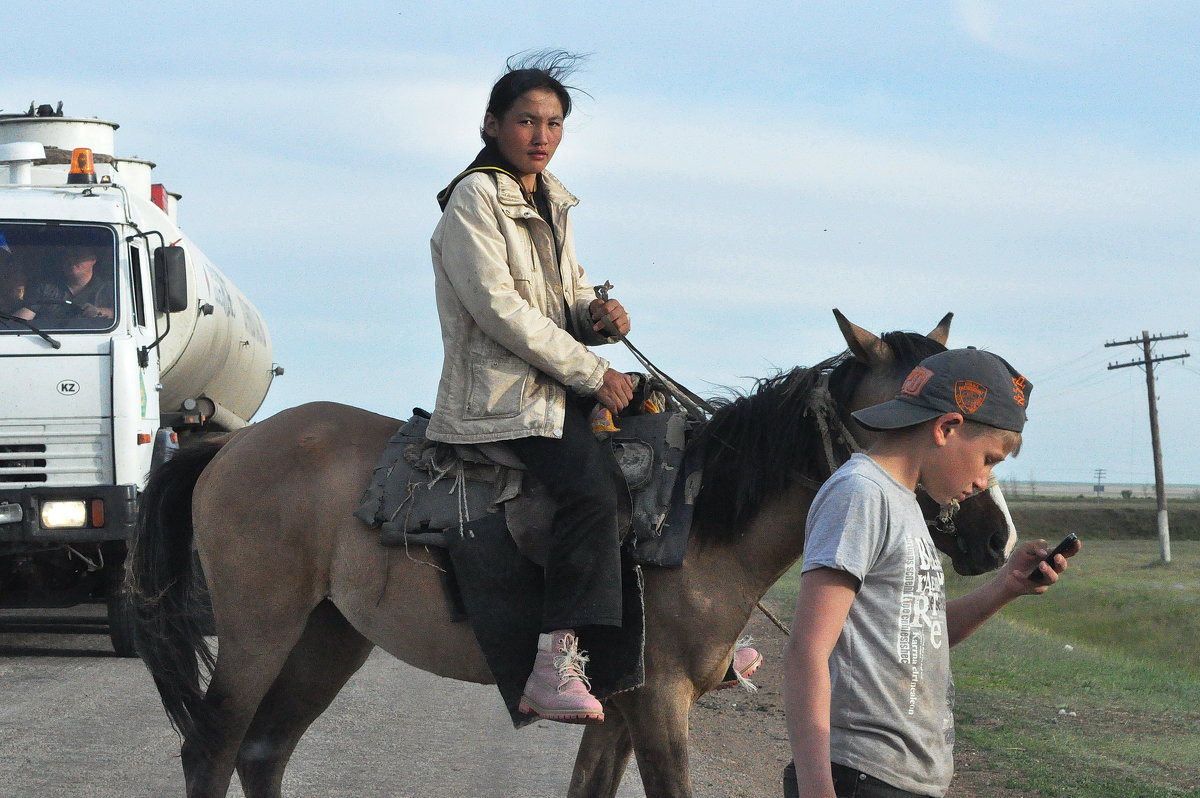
(848, 783)
(583, 564)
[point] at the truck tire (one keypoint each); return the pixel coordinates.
(121, 614)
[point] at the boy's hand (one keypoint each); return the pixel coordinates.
(1025, 558)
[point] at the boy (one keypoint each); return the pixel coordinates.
(867, 684)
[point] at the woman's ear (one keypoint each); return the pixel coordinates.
(491, 125)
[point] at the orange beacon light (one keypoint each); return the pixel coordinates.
(82, 168)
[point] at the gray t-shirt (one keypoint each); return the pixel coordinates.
(892, 695)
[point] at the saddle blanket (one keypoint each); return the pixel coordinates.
(422, 489)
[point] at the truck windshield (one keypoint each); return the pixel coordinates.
(57, 276)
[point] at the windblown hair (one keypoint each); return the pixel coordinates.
(756, 446)
(534, 69)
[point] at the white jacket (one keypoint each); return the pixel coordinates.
(510, 349)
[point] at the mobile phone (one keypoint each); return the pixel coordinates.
(1067, 544)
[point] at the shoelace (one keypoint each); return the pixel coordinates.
(571, 662)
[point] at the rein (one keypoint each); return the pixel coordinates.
(697, 409)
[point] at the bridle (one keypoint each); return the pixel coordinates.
(834, 431)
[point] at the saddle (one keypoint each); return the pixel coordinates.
(423, 490)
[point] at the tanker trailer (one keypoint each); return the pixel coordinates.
(118, 337)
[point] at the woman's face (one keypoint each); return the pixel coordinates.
(529, 133)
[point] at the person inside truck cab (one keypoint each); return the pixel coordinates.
(12, 279)
(76, 288)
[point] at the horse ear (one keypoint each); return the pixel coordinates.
(941, 333)
(864, 345)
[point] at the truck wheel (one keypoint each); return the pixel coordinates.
(121, 615)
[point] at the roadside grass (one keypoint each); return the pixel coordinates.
(1116, 715)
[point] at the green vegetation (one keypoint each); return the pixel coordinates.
(1106, 519)
(1115, 715)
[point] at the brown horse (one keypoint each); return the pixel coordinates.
(302, 591)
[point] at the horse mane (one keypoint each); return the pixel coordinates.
(758, 445)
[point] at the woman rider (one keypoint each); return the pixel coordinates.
(517, 314)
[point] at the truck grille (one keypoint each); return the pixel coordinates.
(55, 454)
(23, 462)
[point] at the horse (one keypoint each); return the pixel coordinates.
(301, 590)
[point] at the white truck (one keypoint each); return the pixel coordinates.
(118, 338)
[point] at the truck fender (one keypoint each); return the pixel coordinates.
(166, 444)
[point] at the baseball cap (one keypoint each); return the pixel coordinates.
(980, 385)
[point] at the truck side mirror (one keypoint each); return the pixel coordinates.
(170, 280)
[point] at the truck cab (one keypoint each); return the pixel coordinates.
(118, 338)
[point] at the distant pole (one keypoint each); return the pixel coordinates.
(1160, 488)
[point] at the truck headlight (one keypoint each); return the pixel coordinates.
(64, 514)
(10, 513)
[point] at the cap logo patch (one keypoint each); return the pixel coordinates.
(916, 382)
(969, 395)
(1020, 385)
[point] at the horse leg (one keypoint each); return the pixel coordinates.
(328, 654)
(602, 758)
(657, 718)
(243, 674)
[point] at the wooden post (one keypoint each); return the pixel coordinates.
(1160, 488)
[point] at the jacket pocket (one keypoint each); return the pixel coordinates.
(496, 388)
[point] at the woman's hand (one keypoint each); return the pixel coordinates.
(616, 392)
(610, 310)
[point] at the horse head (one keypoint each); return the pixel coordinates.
(979, 535)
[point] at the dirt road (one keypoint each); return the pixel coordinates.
(77, 721)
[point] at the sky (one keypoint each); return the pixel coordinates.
(743, 169)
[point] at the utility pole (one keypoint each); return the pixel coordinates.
(1160, 489)
(1098, 487)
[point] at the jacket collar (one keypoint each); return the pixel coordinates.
(510, 192)
(508, 187)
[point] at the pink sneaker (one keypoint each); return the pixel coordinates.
(746, 661)
(557, 688)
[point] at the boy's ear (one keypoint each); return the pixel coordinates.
(866, 347)
(945, 425)
(941, 333)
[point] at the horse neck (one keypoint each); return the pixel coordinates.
(766, 548)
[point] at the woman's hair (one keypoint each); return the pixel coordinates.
(533, 69)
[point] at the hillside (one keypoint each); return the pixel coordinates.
(1104, 519)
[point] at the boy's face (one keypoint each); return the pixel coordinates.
(962, 463)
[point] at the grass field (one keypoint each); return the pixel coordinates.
(1093, 689)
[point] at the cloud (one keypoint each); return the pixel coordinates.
(1061, 32)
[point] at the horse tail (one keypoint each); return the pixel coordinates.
(167, 591)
